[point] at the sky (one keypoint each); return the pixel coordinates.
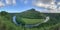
(46, 6)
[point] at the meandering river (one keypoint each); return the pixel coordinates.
(30, 25)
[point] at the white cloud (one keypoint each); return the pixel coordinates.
(42, 5)
(14, 1)
(49, 5)
(50, 11)
(8, 2)
(44, 1)
(58, 3)
(2, 4)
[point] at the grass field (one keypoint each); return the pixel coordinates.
(32, 21)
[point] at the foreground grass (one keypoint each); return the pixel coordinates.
(6, 24)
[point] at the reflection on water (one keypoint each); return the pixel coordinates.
(47, 18)
(14, 20)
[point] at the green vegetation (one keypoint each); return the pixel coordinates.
(29, 17)
(32, 21)
(32, 14)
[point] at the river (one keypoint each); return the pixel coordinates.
(30, 25)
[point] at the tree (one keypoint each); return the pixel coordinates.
(3, 13)
(32, 14)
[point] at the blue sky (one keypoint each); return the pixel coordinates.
(13, 6)
(18, 7)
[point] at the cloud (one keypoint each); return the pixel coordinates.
(7, 2)
(44, 3)
(14, 1)
(2, 4)
(10, 2)
(49, 5)
(58, 3)
(41, 5)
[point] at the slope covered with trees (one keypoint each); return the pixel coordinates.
(31, 16)
(7, 24)
(32, 13)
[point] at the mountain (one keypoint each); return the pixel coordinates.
(32, 13)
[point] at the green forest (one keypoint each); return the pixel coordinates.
(30, 16)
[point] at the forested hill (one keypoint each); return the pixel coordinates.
(32, 13)
(7, 24)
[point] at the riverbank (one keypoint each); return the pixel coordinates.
(30, 25)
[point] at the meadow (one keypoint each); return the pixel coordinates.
(32, 21)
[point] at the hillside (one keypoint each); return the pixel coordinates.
(6, 22)
(32, 13)
(31, 17)
(52, 23)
